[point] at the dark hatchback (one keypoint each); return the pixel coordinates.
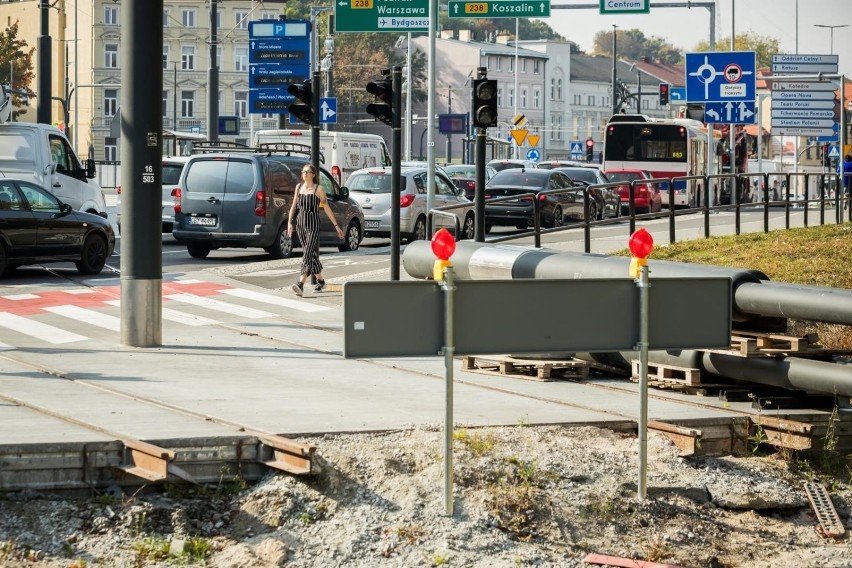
(554, 208)
(36, 227)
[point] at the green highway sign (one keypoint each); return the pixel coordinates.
(499, 9)
(625, 6)
(381, 15)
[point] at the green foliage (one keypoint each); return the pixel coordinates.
(151, 549)
(632, 44)
(16, 62)
(478, 444)
(196, 549)
(763, 46)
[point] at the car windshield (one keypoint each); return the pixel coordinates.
(370, 183)
(462, 171)
(623, 176)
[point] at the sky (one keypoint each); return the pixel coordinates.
(685, 27)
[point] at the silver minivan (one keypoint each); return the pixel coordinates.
(371, 188)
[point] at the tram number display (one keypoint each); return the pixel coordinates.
(476, 8)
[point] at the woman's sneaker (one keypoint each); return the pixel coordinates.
(298, 288)
(320, 286)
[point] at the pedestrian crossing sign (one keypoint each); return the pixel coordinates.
(834, 152)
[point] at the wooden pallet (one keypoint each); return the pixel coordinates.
(758, 344)
(531, 369)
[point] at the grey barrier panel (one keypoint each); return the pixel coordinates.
(406, 319)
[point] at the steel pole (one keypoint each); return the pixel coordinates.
(448, 286)
(396, 168)
(45, 66)
(213, 79)
(644, 316)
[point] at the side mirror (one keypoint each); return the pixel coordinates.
(65, 209)
(344, 192)
(90, 168)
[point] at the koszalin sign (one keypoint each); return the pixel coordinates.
(499, 9)
(381, 15)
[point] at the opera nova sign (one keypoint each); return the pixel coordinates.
(625, 6)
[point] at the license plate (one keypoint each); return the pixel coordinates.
(204, 221)
(371, 224)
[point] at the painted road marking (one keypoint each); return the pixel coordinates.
(38, 330)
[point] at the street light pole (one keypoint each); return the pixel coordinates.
(831, 34)
(614, 76)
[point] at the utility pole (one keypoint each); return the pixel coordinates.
(614, 76)
(213, 79)
(45, 66)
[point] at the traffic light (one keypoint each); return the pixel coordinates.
(664, 94)
(302, 110)
(484, 103)
(826, 159)
(383, 89)
(590, 150)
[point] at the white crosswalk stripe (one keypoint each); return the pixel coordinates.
(274, 300)
(220, 306)
(178, 317)
(84, 315)
(38, 330)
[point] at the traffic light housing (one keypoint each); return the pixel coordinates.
(484, 103)
(664, 94)
(590, 150)
(383, 90)
(302, 109)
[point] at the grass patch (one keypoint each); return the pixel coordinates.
(476, 443)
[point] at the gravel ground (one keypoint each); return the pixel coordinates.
(524, 496)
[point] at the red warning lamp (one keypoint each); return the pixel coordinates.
(641, 243)
(443, 244)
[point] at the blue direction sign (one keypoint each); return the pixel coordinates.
(533, 154)
(677, 94)
(729, 113)
(328, 110)
(720, 76)
(279, 52)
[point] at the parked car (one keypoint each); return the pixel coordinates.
(172, 168)
(501, 165)
(608, 200)
(36, 227)
(519, 212)
(647, 195)
(242, 199)
(371, 188)
(464, 177)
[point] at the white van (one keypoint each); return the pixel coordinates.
(342, 152)
(41, 153)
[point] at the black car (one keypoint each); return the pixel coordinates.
(36, 227)
(519, 212)
(608, 200)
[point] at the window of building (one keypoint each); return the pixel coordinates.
(187, 57)
(488, 63)
(187, 17)
(218, 56)
(559, 89)
(557, 127)
(110, 102)
(523, 65)
(187, 104)
(165, 103)
(511, 65)
(241, 58)
(241, 104)
(591, 101)
(110, 15)
(269, 15)
(241, 20)
(110, 150)
(578, 100)
(536, 98)
(165, 57)
(111, 55)
(536, 67)
(511, 98)
(166, 19)
(524, 98)
(499, 97)
(219, 19)
(497, 60)
(221, 103)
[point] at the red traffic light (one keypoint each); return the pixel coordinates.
(383, 89)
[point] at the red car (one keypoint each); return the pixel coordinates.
(647, 195)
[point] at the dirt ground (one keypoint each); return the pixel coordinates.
(524, 496)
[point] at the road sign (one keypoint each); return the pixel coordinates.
(381, 15)
(519, 135)
(804, 86)
(279, 53)
(609, 312)
(803, 95)
(625, 6)
(798, 63)
(533, 154)
(498, 9)
(533, 139)
(677, 94)
(803, 122)
(834, 152)
(720, 76)
(328, 110)
(729, 113)
(803, 113)
(576, 149)
(802, 104)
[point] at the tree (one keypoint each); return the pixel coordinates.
(16, 65)
(763, 46)
(632, 44)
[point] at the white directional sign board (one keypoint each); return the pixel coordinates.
(804, 108)
(797, 63)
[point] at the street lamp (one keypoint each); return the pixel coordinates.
(614, 76)
(831, 35)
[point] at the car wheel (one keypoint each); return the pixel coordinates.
(198, 250)
(468, 230)
(556, 219)
(593, 211)
(352, 238)
(282, 247)
(92, 256)
(419, 233)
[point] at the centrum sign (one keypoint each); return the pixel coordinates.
(625, 6)
(499, 9)
(381, 15)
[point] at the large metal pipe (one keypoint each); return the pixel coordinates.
(753, 294)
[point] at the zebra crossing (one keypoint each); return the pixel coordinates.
(59, 317)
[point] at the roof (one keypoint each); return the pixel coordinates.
(491, 48)
(598, 69)
(671, 73)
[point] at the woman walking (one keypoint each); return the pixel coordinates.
(310, 198)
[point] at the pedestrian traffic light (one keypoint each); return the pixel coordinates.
(302, 109)
(383, 89)
(590, 150)
(484, 103)
(664, 94)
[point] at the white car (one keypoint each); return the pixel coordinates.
(172, 168)
(371, 188)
